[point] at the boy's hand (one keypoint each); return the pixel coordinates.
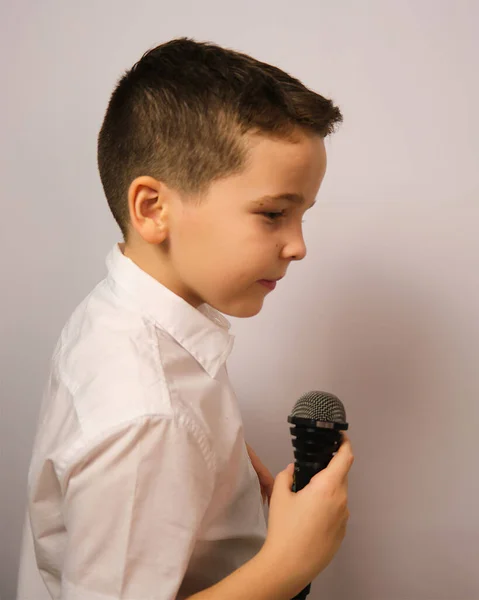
(306, 528)
(266, 479)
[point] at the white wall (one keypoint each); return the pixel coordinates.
(384, 311)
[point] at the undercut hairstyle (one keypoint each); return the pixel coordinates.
(181, 112)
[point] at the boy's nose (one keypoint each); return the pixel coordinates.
(295, 248)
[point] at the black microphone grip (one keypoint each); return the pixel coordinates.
(313, 450)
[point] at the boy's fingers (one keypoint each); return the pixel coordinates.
(342, 461)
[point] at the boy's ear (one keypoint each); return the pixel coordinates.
(148, 205)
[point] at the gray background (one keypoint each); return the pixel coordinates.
(383, 311)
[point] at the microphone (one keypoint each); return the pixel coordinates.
(317, 419)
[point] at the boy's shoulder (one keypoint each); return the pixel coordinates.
(108, 358)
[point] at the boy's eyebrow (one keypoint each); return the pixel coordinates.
(294, 198)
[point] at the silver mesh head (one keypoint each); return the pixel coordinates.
(320, 406)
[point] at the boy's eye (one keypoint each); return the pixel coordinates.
(273, 216)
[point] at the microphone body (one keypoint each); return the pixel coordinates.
(317, 421)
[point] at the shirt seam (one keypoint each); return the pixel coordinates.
(88, 445)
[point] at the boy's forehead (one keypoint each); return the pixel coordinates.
(290, 163)
(273, 168)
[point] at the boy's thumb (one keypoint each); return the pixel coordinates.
(285, 477)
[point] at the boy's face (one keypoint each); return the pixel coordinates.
(221, 249)
(218, 251)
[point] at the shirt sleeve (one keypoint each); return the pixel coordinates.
(132, 510)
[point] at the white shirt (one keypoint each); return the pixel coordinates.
(140, 486)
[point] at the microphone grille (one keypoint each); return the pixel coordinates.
(320, 406)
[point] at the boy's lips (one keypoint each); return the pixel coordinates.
(269, 283)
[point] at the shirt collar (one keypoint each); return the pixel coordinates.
(202, 331)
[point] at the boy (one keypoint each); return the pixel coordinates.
(140, 485)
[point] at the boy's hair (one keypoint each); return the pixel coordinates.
(180, 112)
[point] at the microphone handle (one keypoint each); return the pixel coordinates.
(313, 451)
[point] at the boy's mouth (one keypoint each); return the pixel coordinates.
(268, 283)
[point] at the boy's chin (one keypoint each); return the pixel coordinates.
(242, 310)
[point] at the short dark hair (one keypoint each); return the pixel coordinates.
(180, 112)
